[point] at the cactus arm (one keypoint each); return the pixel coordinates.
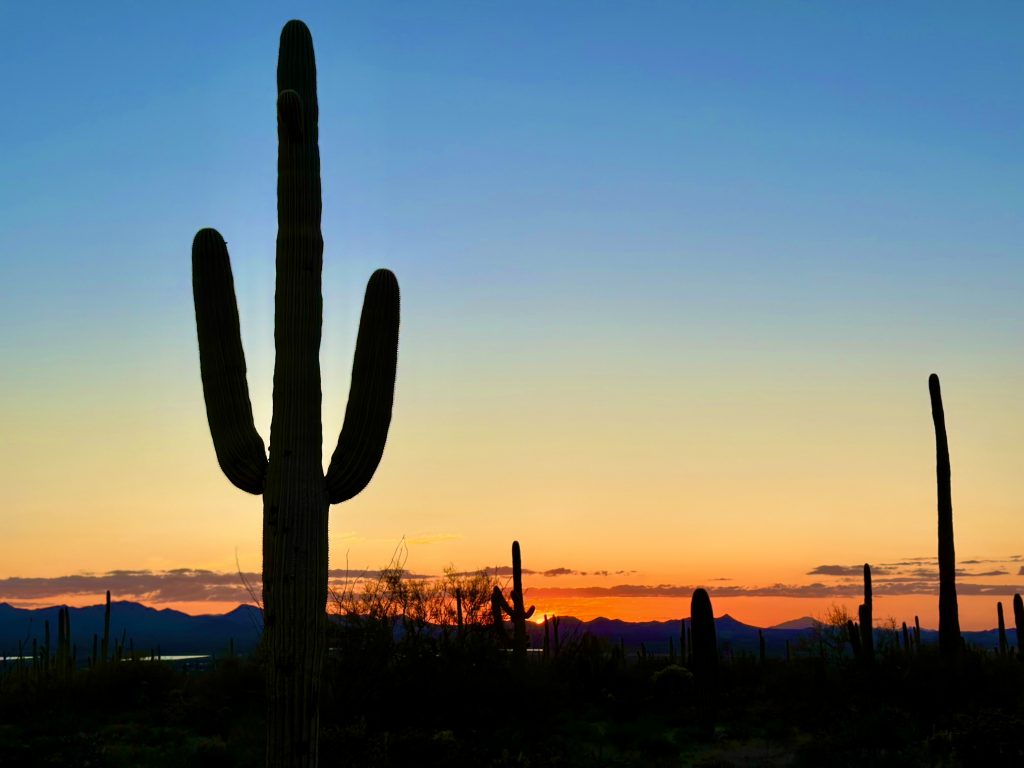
(240, 450)
(529, 614)
(503, 603)
(371, 395)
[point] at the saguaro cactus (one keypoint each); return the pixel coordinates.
(1018, 623)
(1004, 646)
(705, 654)
(517, 611)
(949, 617)
(296, 492)
(867, 619)
(106, 630)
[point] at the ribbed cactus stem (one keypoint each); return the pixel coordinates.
(949, 616)
(296, 492)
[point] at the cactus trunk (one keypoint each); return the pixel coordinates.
(705, 655)
(296, 493)
(949, 618)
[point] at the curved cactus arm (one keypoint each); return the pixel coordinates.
(529, 613)
(371, 395)
(498, 597)
(240, 449)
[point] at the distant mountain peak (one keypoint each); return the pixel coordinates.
(804, 622)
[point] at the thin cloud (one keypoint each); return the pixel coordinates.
(560, 572)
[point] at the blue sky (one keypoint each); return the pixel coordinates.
(600, 214)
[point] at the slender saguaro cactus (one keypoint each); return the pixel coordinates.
(949, 617)
(1004, 646)
(517, 611)
(106, 630)
(1018, 623)
(296, 492)
(867, 619)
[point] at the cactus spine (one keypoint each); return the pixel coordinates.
(296, 492)
(517, 611)
(949, 617)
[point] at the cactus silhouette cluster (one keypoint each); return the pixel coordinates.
(296, 492)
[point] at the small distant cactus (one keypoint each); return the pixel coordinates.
(950, 641)
(867, 620)
(517, 611)
(106, 631)
(1018, 622)
(1004, 646)
(760, 645)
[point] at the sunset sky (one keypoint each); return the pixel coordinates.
(673, 279)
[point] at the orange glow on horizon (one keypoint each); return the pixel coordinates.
(976, 612)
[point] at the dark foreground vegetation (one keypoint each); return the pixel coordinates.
(406, 683)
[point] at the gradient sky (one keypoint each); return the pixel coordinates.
(673, 276)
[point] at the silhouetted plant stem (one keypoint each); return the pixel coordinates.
(1018, 623)
(853, 634)
(867, 620)
(497, 618)
(106, 630)
(949, 618)
(1004, 646)
(296, 492)
(517, 610)
(705, 655)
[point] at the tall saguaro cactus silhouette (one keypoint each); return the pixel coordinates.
(949, 617)
(865, 614)
(296, 492)
(517, 611)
